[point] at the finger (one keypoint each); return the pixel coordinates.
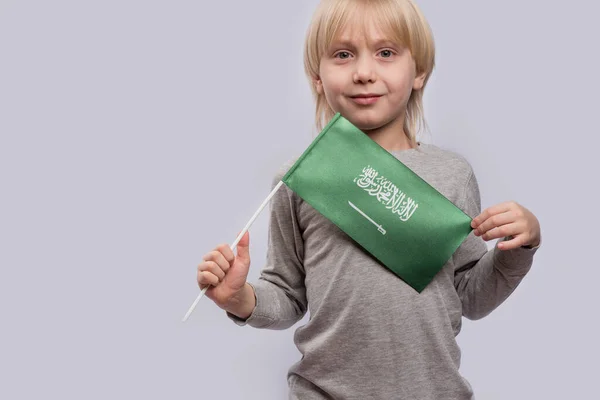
(213, 268)
(207, 278)
(243, 248)
(514, 243)
(217, 257)
(226, 251)
(502, 231)
(488, 212)
(495, 221)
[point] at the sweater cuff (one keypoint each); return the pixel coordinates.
(257, 318)
(518, 260)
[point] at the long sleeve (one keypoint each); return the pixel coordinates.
(485, 278)
(280, 290)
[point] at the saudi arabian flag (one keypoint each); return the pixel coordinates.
(379, 202)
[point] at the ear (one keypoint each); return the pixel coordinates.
(419, 81)
(318, 85)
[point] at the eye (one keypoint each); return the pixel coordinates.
(386, 53)
(342, 55)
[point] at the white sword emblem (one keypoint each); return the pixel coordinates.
(379, 227)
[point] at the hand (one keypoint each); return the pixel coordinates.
(224, 272)
(508, 219)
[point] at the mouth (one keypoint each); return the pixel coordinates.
(365, 98)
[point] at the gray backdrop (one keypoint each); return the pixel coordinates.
(138, 135)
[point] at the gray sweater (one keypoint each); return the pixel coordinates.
(370, 335)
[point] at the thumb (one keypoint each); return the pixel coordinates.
(243, 248)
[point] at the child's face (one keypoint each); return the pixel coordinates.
(358, 65)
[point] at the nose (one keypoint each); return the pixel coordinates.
(365, 71)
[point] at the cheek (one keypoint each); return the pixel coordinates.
(332, 85)
(401, 86)
(332, 92)
(333, 82)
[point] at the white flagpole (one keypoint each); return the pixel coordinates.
(235, 243)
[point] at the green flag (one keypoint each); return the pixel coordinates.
(384, 206)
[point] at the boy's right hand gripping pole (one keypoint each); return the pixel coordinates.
(234, 245)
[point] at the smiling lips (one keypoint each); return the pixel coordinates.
(365, 99)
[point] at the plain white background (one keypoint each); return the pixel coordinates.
(138, 135)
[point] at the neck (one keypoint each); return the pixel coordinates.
(391, 136)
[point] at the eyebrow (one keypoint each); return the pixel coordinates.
(385, 42)
(377, 43)
(342, 43)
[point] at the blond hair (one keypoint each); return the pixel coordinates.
(400, 19)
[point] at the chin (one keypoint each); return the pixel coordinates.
(367, 124)
(365, 119)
